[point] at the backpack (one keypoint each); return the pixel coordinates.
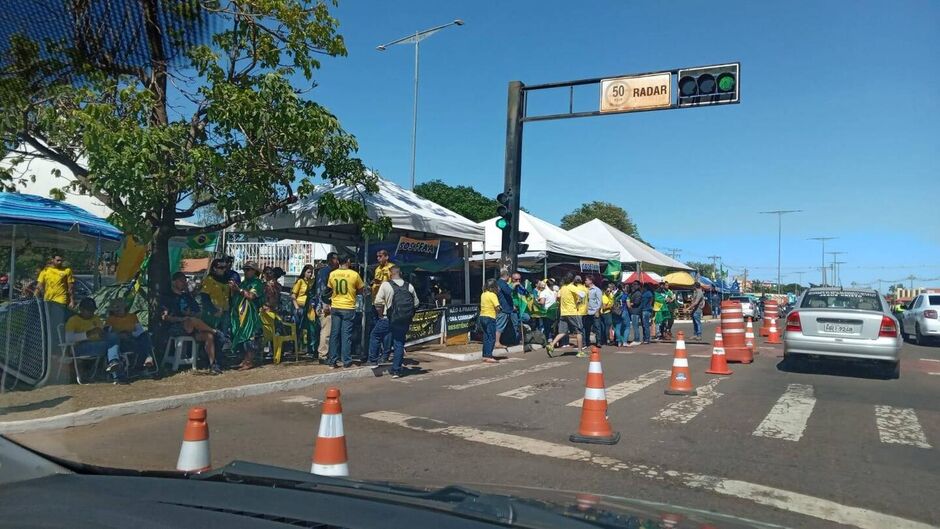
(403, 304)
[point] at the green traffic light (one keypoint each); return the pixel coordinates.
(502, 223)
(726, 82)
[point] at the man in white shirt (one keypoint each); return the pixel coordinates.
(547, 298)
(393, 316)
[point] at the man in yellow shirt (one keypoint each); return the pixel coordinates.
(56, 282)
(383, 272)
(569, 300)
(345, 285)
(87, 333)
(132, 335)
(489, 307)
(215, 286)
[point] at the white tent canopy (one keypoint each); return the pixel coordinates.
(630, 250)
(411, 216)
(544, 238)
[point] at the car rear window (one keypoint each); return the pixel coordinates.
(838, 299)
(933, 300)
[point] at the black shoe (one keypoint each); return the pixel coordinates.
(112, 365)
(215, 369)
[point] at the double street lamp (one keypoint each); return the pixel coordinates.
(416, 39)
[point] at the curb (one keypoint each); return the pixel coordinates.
(136, 407)
(470, 357)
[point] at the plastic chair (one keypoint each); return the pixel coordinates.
(278, 341)
(173, 354)
(69, 356)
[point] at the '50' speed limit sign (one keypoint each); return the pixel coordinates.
(623, 94)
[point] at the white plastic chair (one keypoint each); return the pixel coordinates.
(173, 354)
(69, 356)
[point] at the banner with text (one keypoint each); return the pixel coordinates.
(427, 326)
(429, 248)
(591, 266)
(461, 319)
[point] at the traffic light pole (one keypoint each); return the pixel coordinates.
(513, 179)
(693, 87)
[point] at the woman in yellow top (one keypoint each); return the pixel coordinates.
(305, 315)
(489, 306)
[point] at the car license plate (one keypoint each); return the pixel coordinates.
(839, 328)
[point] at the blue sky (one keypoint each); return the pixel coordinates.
(839, 118)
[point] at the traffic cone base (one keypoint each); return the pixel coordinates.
(680, 382)
(194, 452)
(594, 427)
(773, 337)
(329, 453)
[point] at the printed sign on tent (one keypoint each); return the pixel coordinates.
(591, 266)
(428, 248)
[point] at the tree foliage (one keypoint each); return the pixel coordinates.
(705, 269)
(463, 200)
(612, 214)
(232, 130)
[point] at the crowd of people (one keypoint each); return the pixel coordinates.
(241, 311)
(579, 312)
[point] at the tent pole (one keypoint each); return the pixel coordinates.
(466, 272)
(483, 270)
(365, 281)
(546, 267)
(6, 347)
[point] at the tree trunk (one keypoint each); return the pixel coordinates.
(158, 281)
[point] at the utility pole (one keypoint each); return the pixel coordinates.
(836, 280)
(880, 281)
(673, 252)
(834, 257)
(799, 283)
(715, 259)
(743, 283)
(822, 267)
(911, 278)
(779, 213)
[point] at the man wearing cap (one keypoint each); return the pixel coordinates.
(696, 306)
(90, 337)
(180, 313)
(246, 316)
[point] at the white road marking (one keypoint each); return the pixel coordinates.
(787, 419)
(899, 426)
(683, 411)
(661, 354)
(700, 356)
(454, 370)
(625, 389)
(929, 360)
(518, 372)
(779, 498)
(303, 400)
(932, 373)
(527, 391)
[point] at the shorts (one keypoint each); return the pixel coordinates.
(569, 325)
(502, 320)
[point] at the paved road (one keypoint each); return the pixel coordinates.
(827, 447)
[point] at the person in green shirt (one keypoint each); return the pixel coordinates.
(663, 300)
(245, 314)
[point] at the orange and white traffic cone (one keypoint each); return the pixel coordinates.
(594, 427)
(749, 340)
(586, 502)
(680, 383)
(329, 453)
(774, 336)
(719, 365)
(670, 520)
(194, 452)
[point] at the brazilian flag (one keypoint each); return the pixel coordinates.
(201, 241)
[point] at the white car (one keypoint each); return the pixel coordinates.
(749, 306)
(920, 321)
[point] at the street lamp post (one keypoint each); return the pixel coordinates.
(835, 267)
(416, 39)
(823, 264)
(779, 213)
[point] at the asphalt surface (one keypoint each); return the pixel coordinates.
(828, 433)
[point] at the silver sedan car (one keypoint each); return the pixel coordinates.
(849, 324)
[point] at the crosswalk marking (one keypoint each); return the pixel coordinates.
(452, 371)
(683, 411)
(787, 419)
(527, 391)
(899, 426)
(625, 389)
(760, 494)
(518, 372)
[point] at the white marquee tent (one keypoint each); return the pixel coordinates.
(629, 250)
(544, 239)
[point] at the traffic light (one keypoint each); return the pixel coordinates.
(709, 85)
(504, 210)
(521, 246)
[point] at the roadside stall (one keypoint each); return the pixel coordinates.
(415, 221)
(29, 339)
(629, 250)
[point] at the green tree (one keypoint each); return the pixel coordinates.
(706, 269)
(157, 143)
(612, 214)
(463, 200)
